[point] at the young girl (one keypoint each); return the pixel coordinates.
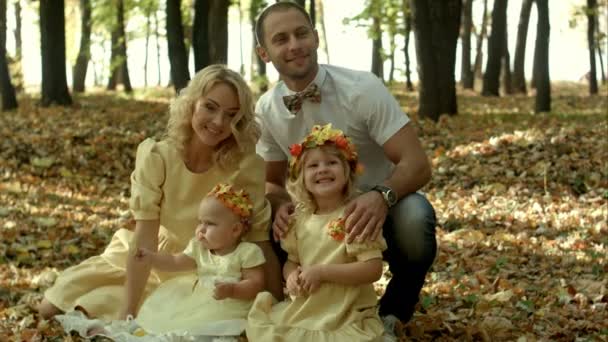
(330, 281)
(216, 301)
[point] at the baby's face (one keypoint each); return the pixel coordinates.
(219, 228)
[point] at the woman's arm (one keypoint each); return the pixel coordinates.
(146, 236)
(246, 289)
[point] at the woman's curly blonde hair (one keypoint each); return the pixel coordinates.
(296, 185)
(245, 129)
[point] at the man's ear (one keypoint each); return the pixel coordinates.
(316, 33)
(262, 53)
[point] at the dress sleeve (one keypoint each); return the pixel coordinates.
(290, 243)
(251, 255)
(146, 182)
(251, 178)
(193, 250)
(366, 250)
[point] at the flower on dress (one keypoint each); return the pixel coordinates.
(336, 229)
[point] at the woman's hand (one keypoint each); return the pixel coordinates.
(282, 219)
(294, 287)
(311, 278)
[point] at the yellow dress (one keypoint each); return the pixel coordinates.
(178, 305)
(161, 188)
(335, 312)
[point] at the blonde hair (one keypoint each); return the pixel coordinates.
(245, 130)
(296, 186)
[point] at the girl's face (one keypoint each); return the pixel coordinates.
(324, 175)
(219, 229)
(213, 114)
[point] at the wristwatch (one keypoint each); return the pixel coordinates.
(390, 197)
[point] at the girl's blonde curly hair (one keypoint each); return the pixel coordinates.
(296, 186)
(245, 129)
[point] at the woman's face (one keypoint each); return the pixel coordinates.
(213, 114)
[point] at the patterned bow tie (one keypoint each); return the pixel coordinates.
(294, 102)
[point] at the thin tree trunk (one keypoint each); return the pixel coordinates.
(119, 68)
(177, 49)
(242, 68)
(519, 78)
(200, 34)
(591, 13)
(9, 100)
(506, 67)
(377, 67)
(84, 54)
(18, 41)
(407, 18)
(52, 47)
(391, 73)
(466, 73)
(259, 73)
(324, 42)
(599, 50)
(436, 26)
(157, 35)
(543, 83)
(312, 12)
(148, 29)
(496, 46)
(218, 31)
(479, 46)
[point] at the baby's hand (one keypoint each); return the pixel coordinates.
(293, 283)
(143, 255)
(311, 278)
(223, 290)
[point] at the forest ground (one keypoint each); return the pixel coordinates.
(521, 201)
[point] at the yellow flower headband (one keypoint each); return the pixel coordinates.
(323, 136)
(237, 201)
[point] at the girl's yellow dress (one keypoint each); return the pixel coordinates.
(335, 312)
(161, 188)
(183, 305)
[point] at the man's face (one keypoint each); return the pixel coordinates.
(290, 44)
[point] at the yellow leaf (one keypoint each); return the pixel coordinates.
(71, 249)
(44, 244)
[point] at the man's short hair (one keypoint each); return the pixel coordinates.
(279, 6)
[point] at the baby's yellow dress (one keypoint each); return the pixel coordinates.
(161, 188)
(335, 312)
(178, 305)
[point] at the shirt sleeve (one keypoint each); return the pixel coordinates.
(267, 147)
(251, 255)
(251, 178)
(146, 182)
(290, 244)
(366, 250)
(383, 114)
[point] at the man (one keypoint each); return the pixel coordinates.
(358, 103)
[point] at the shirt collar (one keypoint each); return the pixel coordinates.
(318, 80)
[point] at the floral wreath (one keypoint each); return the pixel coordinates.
(323, 135)
(237, 201)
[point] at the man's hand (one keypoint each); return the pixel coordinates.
(282, 218)
(294, 287)
(365, 216)
(311, 278)
(223, 290)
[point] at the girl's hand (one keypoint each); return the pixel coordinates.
(311, 278)
(293, 283)
(223, 290)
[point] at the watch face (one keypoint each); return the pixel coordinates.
(392, 198)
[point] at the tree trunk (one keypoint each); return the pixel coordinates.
(407, 16)
(157, 35)
(496, 47)
(377, 67)
(312, 12)
(18, 41)
(9, 100)
(599, 50)
(436, 26)
(479, 46)
(200, 34)
(258, 72)
(506, 67)
(391, 57)
(82, 61)
(119, 70)
(519, 78)
(52, 46)
(591, 13)
(324, 41)
(148, 29)
(543, 83)
(218, 31)
(466, 73)
(177, 49)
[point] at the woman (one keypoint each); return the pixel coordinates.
(210, 139)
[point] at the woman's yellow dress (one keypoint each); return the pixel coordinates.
(161, 188)
(335, 312)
